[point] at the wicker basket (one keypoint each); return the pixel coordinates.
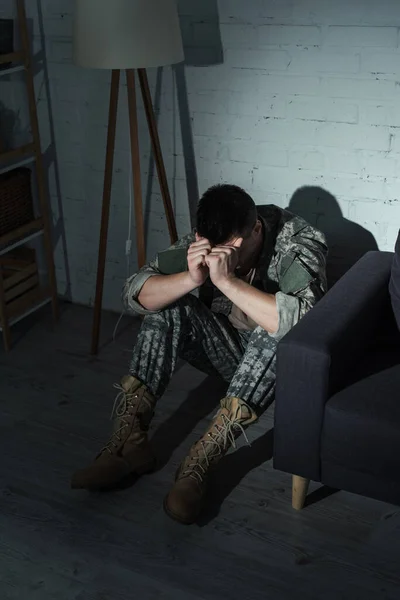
(20, 281)
(6, 39)
(16, 204)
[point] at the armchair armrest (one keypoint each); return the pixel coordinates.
(315, 355)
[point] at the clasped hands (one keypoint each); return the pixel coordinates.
(218, 262)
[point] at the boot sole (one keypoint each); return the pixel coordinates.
(143, 470)
(176, 517)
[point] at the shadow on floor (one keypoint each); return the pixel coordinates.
(232, 468)
(181, 423)
(230, 472)
(21, 329)
(320, 494)
(172, 432)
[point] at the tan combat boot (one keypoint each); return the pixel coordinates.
(128, 450)
(184, 501)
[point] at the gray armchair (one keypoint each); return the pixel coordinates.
(337, 410)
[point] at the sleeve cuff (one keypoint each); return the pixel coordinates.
(131, 291)
(288, 308)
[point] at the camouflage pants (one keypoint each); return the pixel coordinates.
(189, 330)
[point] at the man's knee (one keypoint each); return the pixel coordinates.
(262, 339)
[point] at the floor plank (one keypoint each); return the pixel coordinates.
(55, 402)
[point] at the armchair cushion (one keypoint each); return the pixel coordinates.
(361, 429)
(322, 354)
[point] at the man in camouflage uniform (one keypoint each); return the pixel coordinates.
(261, 268)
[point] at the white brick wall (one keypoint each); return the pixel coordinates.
(307, 95)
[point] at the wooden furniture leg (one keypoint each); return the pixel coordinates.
(105, 214)
(135, 158)
(44, 205)
(3, 312)
(155, 142)
(137, 186)
(299, 491)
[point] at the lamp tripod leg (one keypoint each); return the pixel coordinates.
(105, 213)
(155, 142)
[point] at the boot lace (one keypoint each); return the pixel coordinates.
(125, 410)
(209, 449)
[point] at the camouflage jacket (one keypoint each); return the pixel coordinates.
(291, 266)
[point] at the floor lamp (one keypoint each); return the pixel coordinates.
(129, 35)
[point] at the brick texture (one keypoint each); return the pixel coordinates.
(274, 96)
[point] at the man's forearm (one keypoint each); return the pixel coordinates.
(160, 291)
(259, 306)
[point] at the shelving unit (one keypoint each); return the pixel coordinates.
(11, 70)
(20, 236)
(41, 226)
(17, 57)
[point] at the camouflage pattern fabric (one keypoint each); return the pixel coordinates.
(291, 265)
(189, 330)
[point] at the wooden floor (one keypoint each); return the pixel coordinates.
(57, 544)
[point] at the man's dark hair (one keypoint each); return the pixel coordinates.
(224, 212)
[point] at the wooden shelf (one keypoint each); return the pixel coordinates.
(29, 304)
(13, 69)
(16, 165)
(11, 159)
(19, 236)
(10, 155)
(13, 57)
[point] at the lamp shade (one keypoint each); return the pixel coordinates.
(126, 34)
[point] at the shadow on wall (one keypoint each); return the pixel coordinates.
(201, 34)
(50, 159)
(13, 134)
(203, 48)
(10, 126)
(347, 241)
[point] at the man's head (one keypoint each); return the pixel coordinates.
(226, 214)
